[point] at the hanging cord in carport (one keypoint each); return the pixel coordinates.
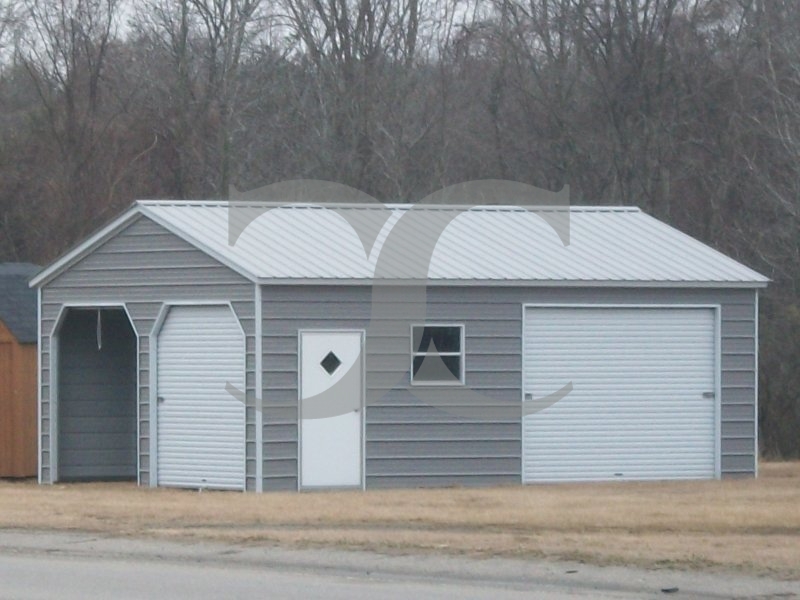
(99, 331)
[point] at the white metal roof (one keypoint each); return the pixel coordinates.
(511, 245)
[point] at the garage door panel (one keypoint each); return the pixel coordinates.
(201, 427)
(642, 404)
(637, 402)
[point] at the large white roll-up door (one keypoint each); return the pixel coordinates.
(201, 426)
(642, 404)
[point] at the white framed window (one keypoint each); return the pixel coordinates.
(437, 354)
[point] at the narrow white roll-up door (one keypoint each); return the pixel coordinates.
(201, 426)
(642, 404)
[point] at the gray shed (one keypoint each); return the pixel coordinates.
(265, 347)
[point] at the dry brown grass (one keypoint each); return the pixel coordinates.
(746, 524)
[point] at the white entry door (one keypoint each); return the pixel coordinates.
(201, 425)
(331, 392)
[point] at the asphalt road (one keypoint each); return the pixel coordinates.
(33, 577)
(76, 566)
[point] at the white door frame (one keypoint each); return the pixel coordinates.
(153, 387)
(716, 308)
(362, 403)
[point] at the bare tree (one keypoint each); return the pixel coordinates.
(8, 20)
(766, 224)
(204, 42)
(65, 51)
(364, 62)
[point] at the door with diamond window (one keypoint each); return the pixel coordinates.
(331, 408)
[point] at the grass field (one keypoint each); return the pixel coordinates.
(751, 525)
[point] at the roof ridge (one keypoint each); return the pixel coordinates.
(380, 206)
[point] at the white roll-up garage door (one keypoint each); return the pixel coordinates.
(642, 404)
(201, 426)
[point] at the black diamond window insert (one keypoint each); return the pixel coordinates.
(330, 363)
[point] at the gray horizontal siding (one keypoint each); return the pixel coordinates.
(143, 267)
(444, 449)
(411, 444)
(406, 481)
(414, 454)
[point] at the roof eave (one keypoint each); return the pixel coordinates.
(231, 264)
(758, 277)
(515, 283)
(76, 253)
(138, 210)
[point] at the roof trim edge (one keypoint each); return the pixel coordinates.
(519, 283)
(757, 276)
(87, 246)
(196, 243)
(81, 250)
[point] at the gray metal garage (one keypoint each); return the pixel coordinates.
(296, 353)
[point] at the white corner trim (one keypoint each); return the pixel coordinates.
(259, 400)
(755, 399)
(39, 385)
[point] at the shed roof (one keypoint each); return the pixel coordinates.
(18, 301)
(458, 245)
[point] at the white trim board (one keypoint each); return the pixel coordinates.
(259, 383)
